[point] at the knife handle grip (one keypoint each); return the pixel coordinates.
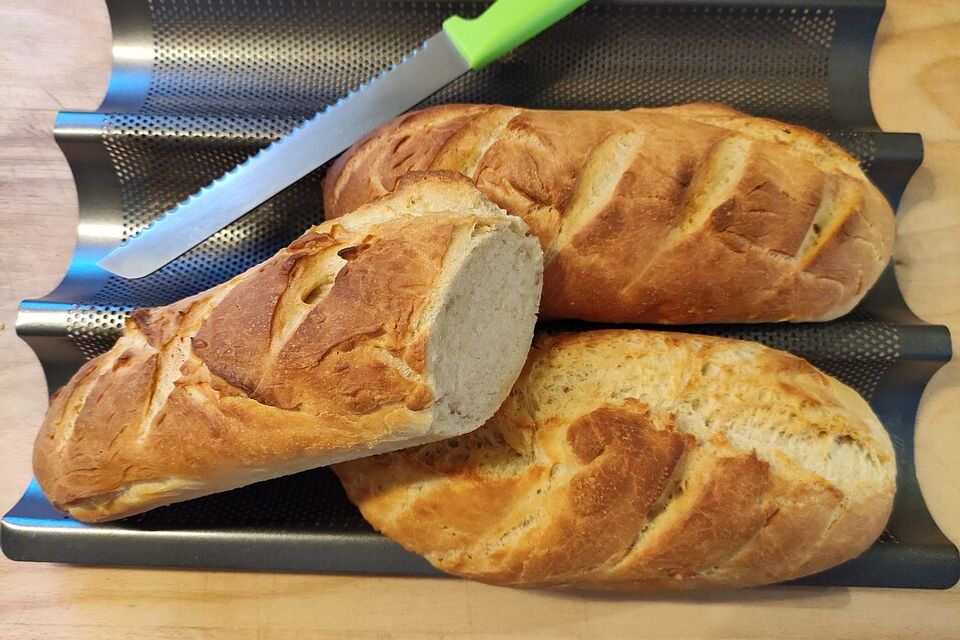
(505, 25)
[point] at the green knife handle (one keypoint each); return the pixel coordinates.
(505, 25)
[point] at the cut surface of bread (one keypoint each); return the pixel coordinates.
(687, 214)
(631, 459)
(404, 322)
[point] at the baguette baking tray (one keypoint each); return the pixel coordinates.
(197, 86)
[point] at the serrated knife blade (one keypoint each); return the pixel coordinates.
(463, 44)
(421, 73)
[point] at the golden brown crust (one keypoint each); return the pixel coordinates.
(685, 214)
(643, 460)
(316, 355)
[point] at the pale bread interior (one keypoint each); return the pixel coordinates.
(482, 328)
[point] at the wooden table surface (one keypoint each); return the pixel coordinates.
(55, 54)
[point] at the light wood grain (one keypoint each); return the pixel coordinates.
(54, 54)
(915, 86)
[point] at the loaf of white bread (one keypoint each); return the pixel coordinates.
(630, 459)
(687, 214)
(404, 322)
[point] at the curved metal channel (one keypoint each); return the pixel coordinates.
(133, 57)
(850, 104)
(44, 324)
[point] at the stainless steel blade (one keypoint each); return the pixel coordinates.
(435, 64)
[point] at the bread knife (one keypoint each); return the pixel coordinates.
(462, 45)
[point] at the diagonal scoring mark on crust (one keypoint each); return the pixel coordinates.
(355, 157)
(596, 184)
(838, 203)
(712, 185)
(790, 139)
(174, 354)
(839, 512)
(771, 447)
(410, 126)
(789, 571)
(842, 196)
(697, 463)
(817, 235)
(78, 398)
(506, 116)
(303, 293)
(662, 506)
(530, 522)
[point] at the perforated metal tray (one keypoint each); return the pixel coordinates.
(197, 86)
